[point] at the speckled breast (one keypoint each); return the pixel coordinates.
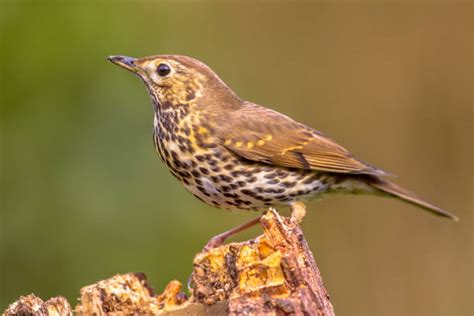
(220, 178)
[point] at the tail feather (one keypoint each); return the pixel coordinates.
(399, 192)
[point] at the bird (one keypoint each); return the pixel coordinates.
(237, 155)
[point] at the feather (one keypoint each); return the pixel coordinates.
(403, 194)
(260, 134)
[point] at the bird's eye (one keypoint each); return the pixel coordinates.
(163, 70)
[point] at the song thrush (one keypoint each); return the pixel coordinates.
(237, 155)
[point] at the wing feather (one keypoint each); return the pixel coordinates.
(260, 134)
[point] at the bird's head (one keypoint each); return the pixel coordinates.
(174, 80)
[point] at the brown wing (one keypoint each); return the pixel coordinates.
(260, 134)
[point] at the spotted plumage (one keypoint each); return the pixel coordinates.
(234, 154)
(220, 177)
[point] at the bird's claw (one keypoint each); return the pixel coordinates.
(214, 242)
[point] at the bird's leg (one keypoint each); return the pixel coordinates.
(298, 211)
(218, 240)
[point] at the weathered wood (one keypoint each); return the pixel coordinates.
(32, 305)
(273, 274)
(129, 294)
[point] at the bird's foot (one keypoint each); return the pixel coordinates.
(215, 242)
(219, 240)
(298, 211)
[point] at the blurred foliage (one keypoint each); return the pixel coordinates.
(83, 195)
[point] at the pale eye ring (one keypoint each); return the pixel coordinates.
(163, 70)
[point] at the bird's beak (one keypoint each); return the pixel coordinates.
(125, 62)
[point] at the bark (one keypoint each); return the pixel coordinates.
(33, 305)
(273, 274)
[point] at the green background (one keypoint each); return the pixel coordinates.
(84, 196)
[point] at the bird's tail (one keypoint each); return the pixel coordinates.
(396, 191)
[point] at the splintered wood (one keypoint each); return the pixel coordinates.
(129, 294)
(274, 274)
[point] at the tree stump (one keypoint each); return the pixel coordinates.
(273, 274)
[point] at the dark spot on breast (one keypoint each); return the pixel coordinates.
(184, 174)
(225, 178)
(270, 176)
(282, 174)
(186, 131)
(212, 162)
(229, 166)
(174, 155)
(274, 181)
(191, 149)
(183, 148)
(230, 195)
(174, 138)
(235, 174)
(276, 191)
(203, 170)
(181, 139)
(252, 179)
(177, 164)
(239, 201)
(186, 165)
(225, 188)
(200, 188)
(247, 192)
(288, 184)
(247, 174)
